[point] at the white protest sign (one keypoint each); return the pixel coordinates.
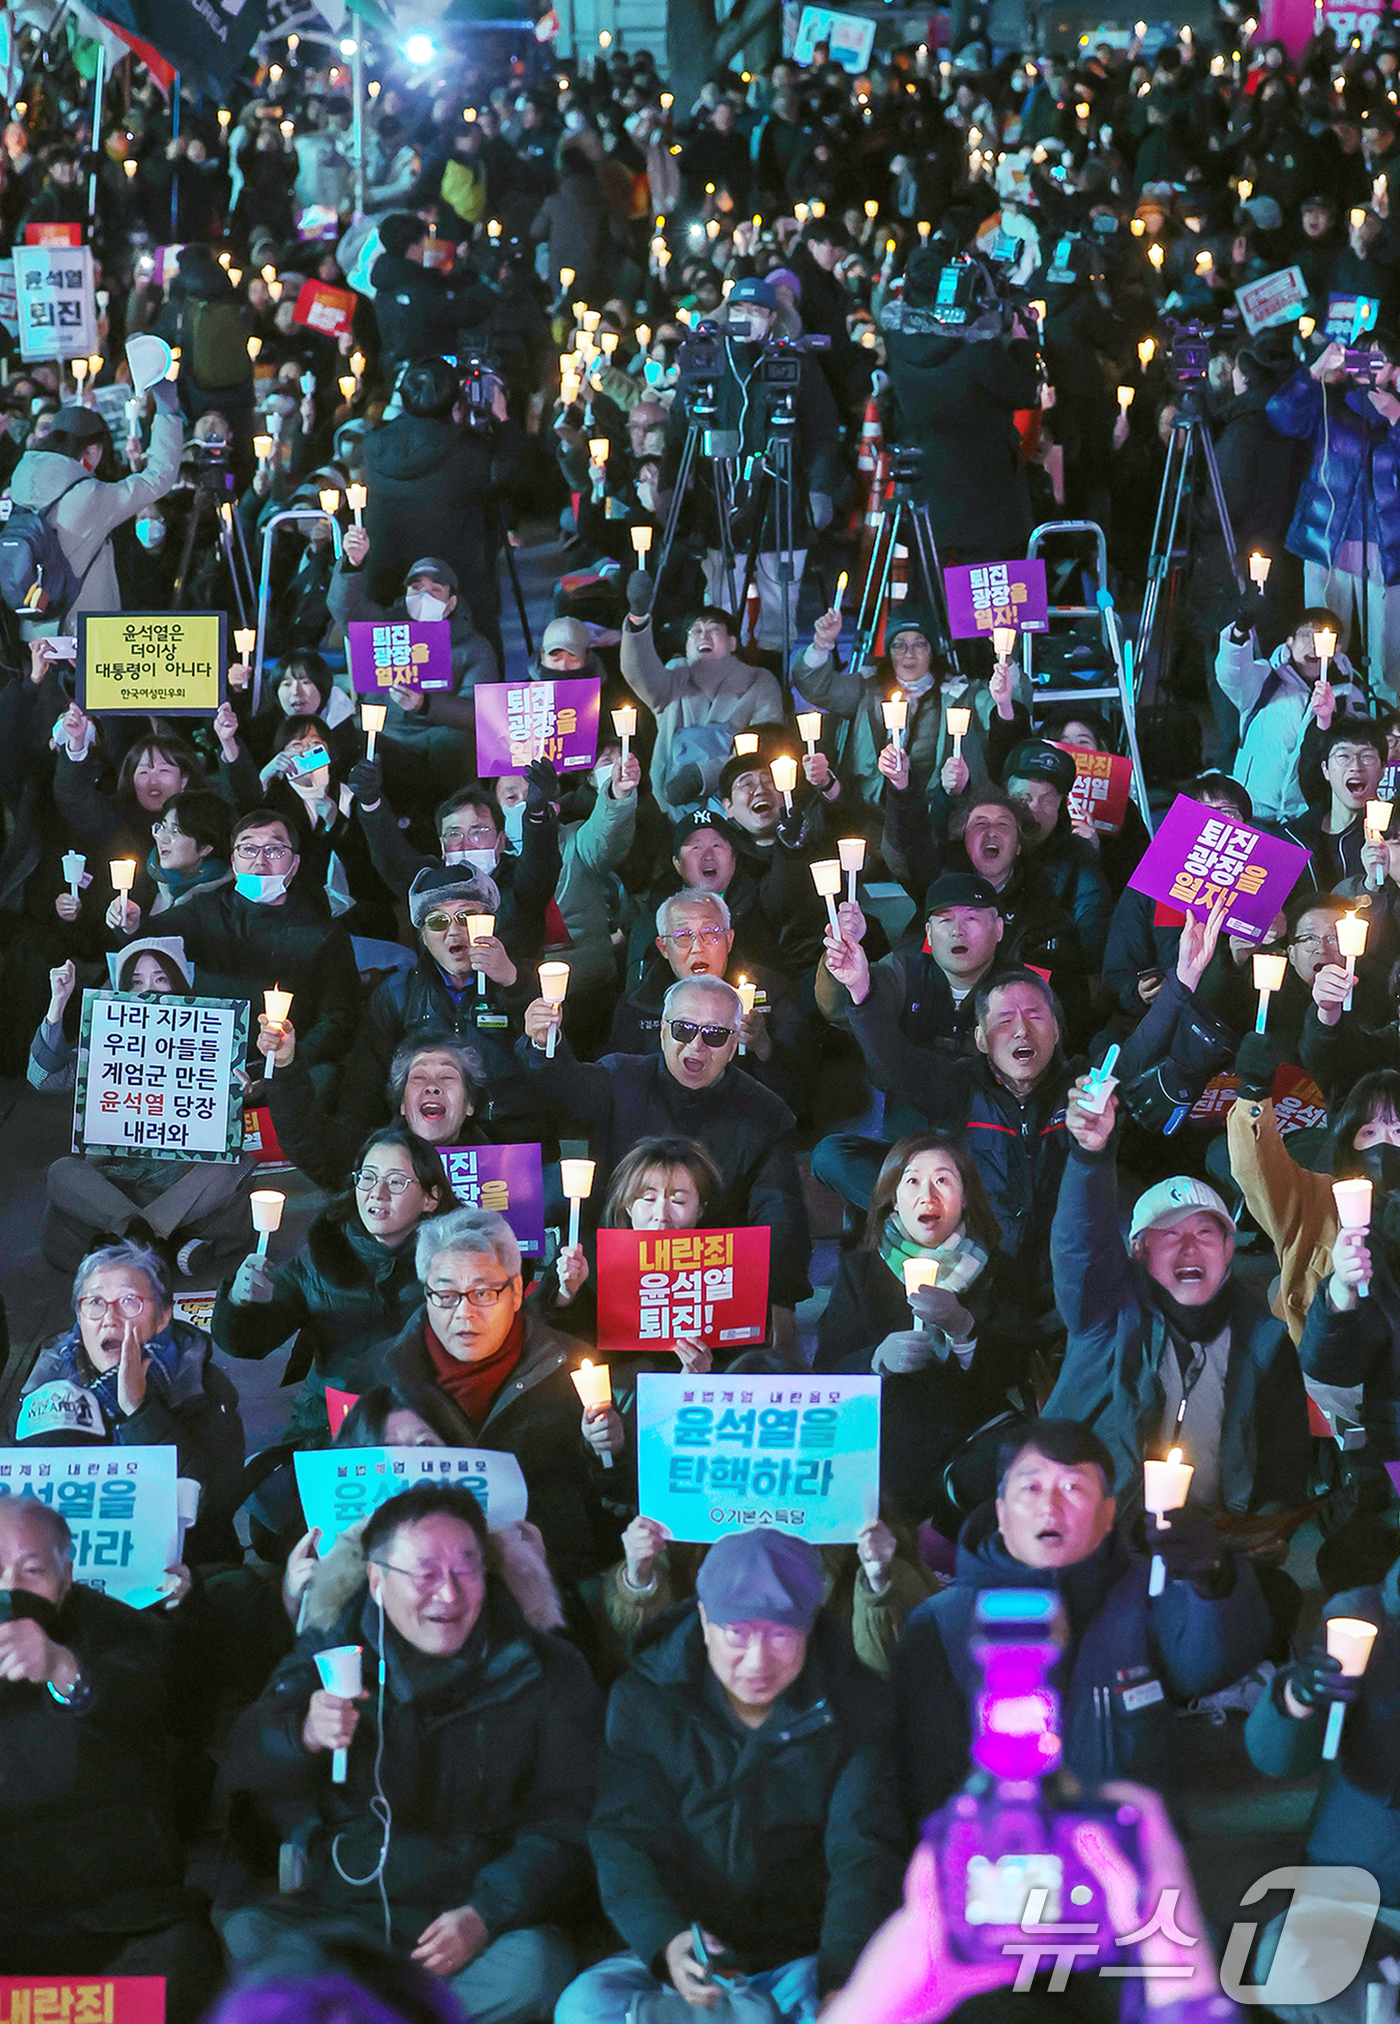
(1273, 298)
(716, 1454)
(120, 1505)
(56, 305)
(9, 309)
(156, 1076)
(340, 1486)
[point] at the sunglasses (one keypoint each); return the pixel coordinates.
(440, 923)
(685, 1030)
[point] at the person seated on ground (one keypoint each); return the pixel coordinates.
(1351, 753)
(430, 592)
(479, 1743)
(195, 1209)
(1143, 934)
(1054, 1525)
(1167, 1349)
(1082, 729)
(1276, 698)
(353, 1283)
(485, 1372)
(745, 1789)
(303, 686)
(1039, 776)
(692, 1089)
(192, 850)
(699, 699)
(950, 1356)
(94, 1881)
(153, 1379)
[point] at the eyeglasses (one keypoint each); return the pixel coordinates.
(92, 1307)
(685, 1030)
(165, 827)
(440, 923)
(483, 832)
(776, 1636)
(368, 1179)
(428, 1581)
(685, 937)
(270, 853)
(1315, 942)
(449, 1298)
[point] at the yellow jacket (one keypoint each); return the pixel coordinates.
(1292, 1206)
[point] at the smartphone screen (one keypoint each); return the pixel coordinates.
(997, 1891)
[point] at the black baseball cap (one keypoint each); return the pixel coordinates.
(700, 818)
(959, 889)
(1038, 759)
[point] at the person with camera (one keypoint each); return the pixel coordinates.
(419, 309)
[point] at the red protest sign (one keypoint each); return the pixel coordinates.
(654, 1285)
(323, 308)
(53, 235)
(82, 1999)
(1298, 1102)
(338, 1404)
(1102, 783)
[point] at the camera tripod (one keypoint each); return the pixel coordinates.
(719, 448)
(773, 497)
(1188, 449)
(229, 530)
(904, 521)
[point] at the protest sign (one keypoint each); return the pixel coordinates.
(120, 1506)
(170, 662)
(654, 1285)
(1298, 1102)
(338, 1404)
(340, 1486)
(399, 654)
(1198, 854)
(849, 37)
(1103, 783)
(158, 1076)
(9, 307)
(54, 295)
(517, 722)
(509, 1179)
(53, 234)
(321, 307)
(1350, 317)
(1273, 298)
(716, 1454)
(196, 1309)
(982, 595)
(82, 1999)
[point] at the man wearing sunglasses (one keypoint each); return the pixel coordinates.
(693, 1089)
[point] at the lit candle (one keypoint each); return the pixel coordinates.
(784, 771)
(1306, 325)
(1003, 642)
(809, 729)
(919, 1272)
(78, 367)
(1349, 1638)
(357, 360)
(744, 743)
(576, 1177)
(244, 641)
(852, 857)
(641, 544)
(262, 449)
(598, 449)
(480, 928)
(566, 279)
(1353, 1200)
(1268, 978)
(123, 870)
(625, 725)
(254, 347)
(842, 580)
(357, 497)
(896, 714)
(826, 877)
(747, 994)
(372, 717)
(959, 723)
(872, 209)
(1165, 1486)
(266, 1205)
(592, 1381)
(330, 499)
(1156, 256)
(1125, 398)
(1259, 566)
(554, 983)
(1325, 646)
(276, 1005)
(1377, 823)
(1351, 940)
(74, 865)
(924, 229)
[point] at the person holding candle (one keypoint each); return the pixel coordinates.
(1141, 951)
(303, 686)
(1278, 699)
(1038, 776)
(431, 591)
(107, 819)
(1351, 753)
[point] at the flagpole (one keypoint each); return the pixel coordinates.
(175, 164)
(357, 73)
(98, 85)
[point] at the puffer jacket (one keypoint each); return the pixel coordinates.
(87, 509)
(1352, 492)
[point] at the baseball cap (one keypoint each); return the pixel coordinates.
(569, 633)
(959, 889)
(761, 1576)
(1038, 759)
(1168, 1203)
(700, 818)
(754, 289)
(59, 1414)
(434, 566)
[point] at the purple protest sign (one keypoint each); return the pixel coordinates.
(520, 721)
(509, 1179)
(399, 654)
(986, 594)
(1198, 854)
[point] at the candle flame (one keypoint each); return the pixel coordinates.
(1174, 1454)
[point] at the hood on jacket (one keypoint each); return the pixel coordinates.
(41, 475)
(983, 1562)
(411, 446)
(340, 1577)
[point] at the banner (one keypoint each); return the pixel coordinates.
(1298, 1102)
(517, 722)
(53, 234)
(1198, 854)
(340, 1486)
(158, 1076)
(54, 296)
(119, 1504)
(1274, 298)
(321, 307)
(717, 1454)
(509, 1179)
(399, 654)
(849, 37)
(654, 1285)
(170, 662)
(82, 1999)
(982, 595)
(204, 38)
(1103, 785)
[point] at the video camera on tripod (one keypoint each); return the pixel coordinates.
(975, 299)
(1189, 356)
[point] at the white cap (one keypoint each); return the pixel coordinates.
(61, 1407)
(1170, 1202)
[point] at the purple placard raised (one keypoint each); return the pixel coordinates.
(399, 653)
(520, 721)
(1198, 853)
(986, 594)
(509, 1179)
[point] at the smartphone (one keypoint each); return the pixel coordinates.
(717, 1966)
(1151, 976)
(308, 761)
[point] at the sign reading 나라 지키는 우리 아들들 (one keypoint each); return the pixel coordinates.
(171, 662)
(157, 1076)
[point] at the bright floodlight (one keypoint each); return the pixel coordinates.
(420, 50)
(348, 47)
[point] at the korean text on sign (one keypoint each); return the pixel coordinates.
(82, 1999)
(172, 662)
(1197, 855)
(399, 654)
(984, 595)
(157, 1076)
(710, 1285)
(508, 1179)
(54, 300)
(340, 1486)
(120, 1506)
(716, 1454)
(1102, 781)
(519, 722)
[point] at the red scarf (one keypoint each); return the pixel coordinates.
(472, 1386)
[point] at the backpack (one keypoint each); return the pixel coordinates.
(35, 574)
(218, 345)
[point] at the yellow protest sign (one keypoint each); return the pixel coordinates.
(170, 663)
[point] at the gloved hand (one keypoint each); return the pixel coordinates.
(687, 784)
(908, 1350)
(1318, 1680)
(166, 396)
(1250, 610)
(252, 1282)
(641, 589)
(366, 782)
(820, 503)
(1191, 1547)
(940, 1309)
(803, 826)
(1259, 1059)
(541, 785)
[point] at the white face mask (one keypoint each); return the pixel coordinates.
(515, 824)
(422, 607)
(483, 861)
(260, 886)
(150, 533)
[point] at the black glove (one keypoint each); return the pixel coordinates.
(641, 589)
(1191, 1547)
(366, 781)
(1260, 1057)
(1318, 1680)
(1250, 611)
(541, 785)
(686, 785)
(803, 826)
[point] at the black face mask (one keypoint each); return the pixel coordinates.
(1382, 1164)
(20, 1602)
